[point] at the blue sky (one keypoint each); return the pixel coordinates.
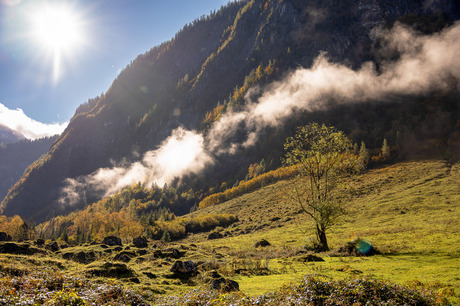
(111, 34)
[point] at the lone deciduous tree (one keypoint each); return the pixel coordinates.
(321, 152)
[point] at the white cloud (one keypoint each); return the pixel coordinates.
(426, 63)
(16, 120)
(180, 154)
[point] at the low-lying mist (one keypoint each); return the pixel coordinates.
(425, 63)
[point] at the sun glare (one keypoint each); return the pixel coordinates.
(58, 30)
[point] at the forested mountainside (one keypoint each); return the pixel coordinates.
(16, 157)
(7, 135)
(212, 66)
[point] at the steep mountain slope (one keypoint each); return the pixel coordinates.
(7, 135)
(207, 63)
(16, 157)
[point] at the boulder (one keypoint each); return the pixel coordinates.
(140, 242)
(85, 258)
(52, 246)
(39, 242)
(310, 258)
(169, 253)
(80, 257)
(149, 274)
(261, 243)
(124, 256)
(118, 270)
(112, 241)
(5, 237)
(19, 249)
(184, 269)
(225, 285)
(215, 235)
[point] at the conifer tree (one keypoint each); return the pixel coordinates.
(364, 155)
(166, 236)
(355, 149)
(385, 150)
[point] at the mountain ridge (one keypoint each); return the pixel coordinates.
(16, 157)
(8, 135)
(175, 84)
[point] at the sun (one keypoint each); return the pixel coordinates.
(58, 30)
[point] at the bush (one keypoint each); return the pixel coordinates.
(66, 298)
(250, 185)
(180, 227)
(316, 290)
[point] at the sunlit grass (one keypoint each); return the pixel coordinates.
(409, 211)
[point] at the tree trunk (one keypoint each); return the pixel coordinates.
(322, 239)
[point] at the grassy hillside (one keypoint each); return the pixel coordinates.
(409, 211)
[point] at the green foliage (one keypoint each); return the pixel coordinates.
(126, 214)
(68, 298)
(256, 169)
(321, 152)
(237, 97)
(316, 143)
(166, 237)
(256, 75)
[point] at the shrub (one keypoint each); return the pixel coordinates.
(315, 290)
(180, 227)
(250, 185)
(66, 298)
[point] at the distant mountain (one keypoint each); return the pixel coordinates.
(8, 135)
(208, 68)
(16, 157)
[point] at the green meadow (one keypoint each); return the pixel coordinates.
(409, 212)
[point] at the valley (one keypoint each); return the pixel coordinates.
(273, 152)
(411, 220)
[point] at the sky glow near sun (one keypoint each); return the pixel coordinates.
(58, 30)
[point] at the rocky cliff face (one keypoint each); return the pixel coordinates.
(175, 84)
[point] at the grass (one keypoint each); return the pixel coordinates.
(410, 211)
